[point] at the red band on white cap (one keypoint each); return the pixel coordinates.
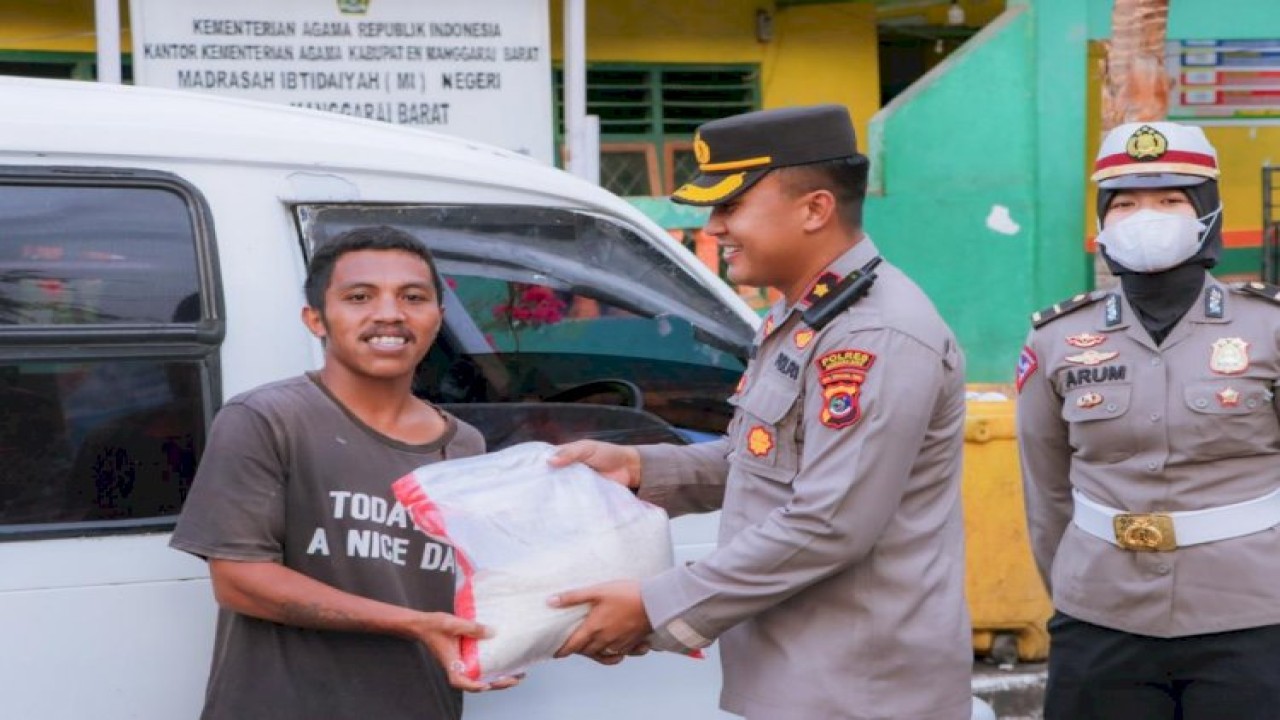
(1171, 156)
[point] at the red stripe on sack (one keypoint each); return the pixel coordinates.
(428, 518)
(1172, 156)
(464, 606)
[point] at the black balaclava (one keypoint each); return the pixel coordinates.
(1161, 299)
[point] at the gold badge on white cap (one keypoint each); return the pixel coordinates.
(1230, 356)
(1146, 143)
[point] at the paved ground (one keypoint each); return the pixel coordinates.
(1014, 692)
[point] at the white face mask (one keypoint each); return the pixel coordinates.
(1151, 241)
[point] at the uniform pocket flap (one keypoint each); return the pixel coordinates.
(1225, 397)
(768, 402)
(1096, 403)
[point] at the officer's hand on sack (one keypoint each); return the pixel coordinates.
(616, 626)
(619, 463)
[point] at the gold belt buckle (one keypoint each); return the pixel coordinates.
(1145, 532)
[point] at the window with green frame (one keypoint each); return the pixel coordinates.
(648, 115)
(57, 65)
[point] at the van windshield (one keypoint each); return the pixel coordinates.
(544, 301)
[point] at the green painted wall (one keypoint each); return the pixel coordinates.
(1203, 19)
(1000, 124)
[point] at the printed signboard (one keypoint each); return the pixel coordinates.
(480, 70)
(1224, 81)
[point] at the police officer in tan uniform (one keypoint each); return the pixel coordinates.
(1147, 423)
(837, 588)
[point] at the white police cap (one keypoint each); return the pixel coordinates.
(1154, 155)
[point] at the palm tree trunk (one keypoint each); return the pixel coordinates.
(1135, 85)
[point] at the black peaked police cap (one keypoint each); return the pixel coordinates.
(735, 152)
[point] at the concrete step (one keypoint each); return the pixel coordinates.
(1014, 692)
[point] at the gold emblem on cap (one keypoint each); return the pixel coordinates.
(701, 150)
(1146, 143)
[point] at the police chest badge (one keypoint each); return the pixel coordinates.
(760, 441)
(841, 374)
(1230, 356)
(1086, 340)
(1229, 397)
(1088, 400)
(1091, 357)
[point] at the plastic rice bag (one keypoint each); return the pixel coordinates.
(523, 531)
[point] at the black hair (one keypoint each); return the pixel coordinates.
(845, 178)
(373, 237)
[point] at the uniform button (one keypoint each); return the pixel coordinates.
(1202, 403)
(1155, 361)
(1111, 407)
(1155, 417)
(1163, 569)
(1152, 466)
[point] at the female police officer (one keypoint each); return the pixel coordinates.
(1147, 424)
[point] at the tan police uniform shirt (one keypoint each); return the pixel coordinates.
(1188, 425)
(837, 588)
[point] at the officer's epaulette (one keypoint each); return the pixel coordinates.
(1058, 309)
(846, 292)
(1261, 289)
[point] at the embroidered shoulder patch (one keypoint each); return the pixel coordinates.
(846, 359)
(1027, 365)
(841, 374)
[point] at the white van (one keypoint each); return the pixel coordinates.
(152, 250)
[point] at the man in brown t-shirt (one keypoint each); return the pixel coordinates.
(332, 605)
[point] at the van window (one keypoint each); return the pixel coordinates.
(107, 351)
(543, 301)
(78, 255)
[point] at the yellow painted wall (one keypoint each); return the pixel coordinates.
(819, 53)
(53, 25)
(1242, 151)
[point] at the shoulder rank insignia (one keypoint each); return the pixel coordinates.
(845, 293)
(1261, 289)
(1213, 303)
(1065, 307)
(821, 288)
